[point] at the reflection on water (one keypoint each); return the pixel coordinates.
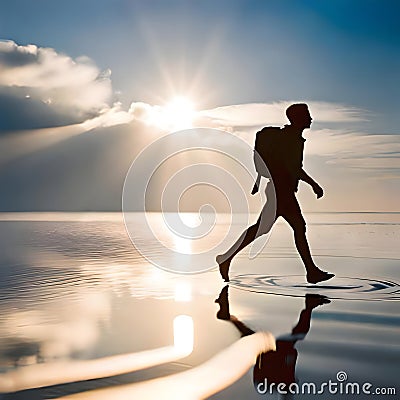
(183, 334)
(338, 288)
(53, 373)
(73, 289)
(197, 383)
(275, 367)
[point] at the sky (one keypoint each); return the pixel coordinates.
(86, 86)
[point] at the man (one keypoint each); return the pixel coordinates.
(286, 171)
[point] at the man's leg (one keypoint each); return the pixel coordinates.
(262, 226)
(311, 301)
(224, 260)
(294, 217)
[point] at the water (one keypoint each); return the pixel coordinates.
(73, 289)
(341, 288)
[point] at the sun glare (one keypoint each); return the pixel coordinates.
(180, 113)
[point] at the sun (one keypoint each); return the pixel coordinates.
(179, 113)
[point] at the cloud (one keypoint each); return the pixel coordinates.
(145, 112)
(176, 115)
(376, 153)
(53, 331)
(245, 118)
(261, 114)
(109, 117)
(40, 88)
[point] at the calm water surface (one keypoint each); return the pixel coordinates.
(72, 287)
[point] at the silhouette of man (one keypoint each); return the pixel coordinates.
(286, 172)
(275, 367)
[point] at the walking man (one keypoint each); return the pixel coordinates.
(285, 165)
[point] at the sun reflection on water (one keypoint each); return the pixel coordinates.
(183, 334)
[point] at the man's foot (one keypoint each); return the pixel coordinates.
(314, 300)
(318, 276)
(222, 300)
(223, 267)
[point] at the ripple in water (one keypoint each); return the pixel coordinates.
(344, 288)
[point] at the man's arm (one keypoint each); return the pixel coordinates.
(307, 178)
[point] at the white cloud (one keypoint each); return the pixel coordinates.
(356, 150)
(173, 116)
(144, 112)
(108, 117)
(243, 118)
(58, 331)
(45, 88)
(261, 114)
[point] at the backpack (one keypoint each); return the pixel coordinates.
(267, 150)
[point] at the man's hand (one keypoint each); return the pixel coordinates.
(255, 189)
(318, 190)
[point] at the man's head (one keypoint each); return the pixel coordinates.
(299, 116)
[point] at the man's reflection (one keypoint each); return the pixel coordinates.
(275, 367)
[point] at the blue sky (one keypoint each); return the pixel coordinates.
(246, 51)
(220, 53)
